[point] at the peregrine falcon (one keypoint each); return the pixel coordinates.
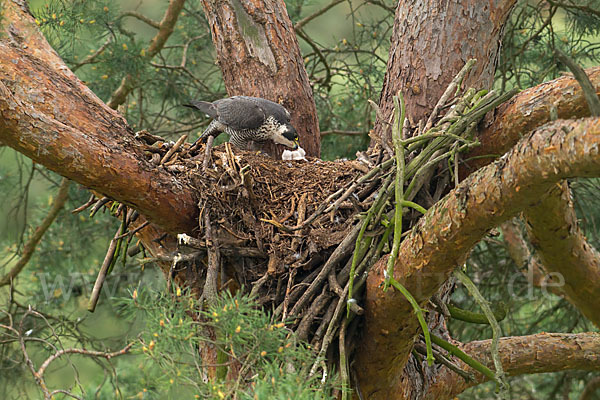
(247, 119)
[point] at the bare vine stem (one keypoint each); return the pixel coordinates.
(496, 331)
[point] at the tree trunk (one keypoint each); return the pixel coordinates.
(258, 53)
(431, 42)
(427, 51)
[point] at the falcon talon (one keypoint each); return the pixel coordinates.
(247, 119)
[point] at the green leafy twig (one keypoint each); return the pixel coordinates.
(359, 240)
(476, 318)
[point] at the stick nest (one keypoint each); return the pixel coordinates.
(259, 203)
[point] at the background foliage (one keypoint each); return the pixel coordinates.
(345, 52)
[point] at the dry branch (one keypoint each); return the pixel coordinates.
(29, 248)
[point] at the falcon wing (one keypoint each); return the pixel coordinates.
(239, 112)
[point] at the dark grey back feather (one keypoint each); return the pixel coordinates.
(270, 108)
(240, 112)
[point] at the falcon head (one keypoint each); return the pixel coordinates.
(278, 118)
(286, 135)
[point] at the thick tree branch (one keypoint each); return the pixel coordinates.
(442, 239)
(50, 116)
(29, 248)
(564, 251)
(562, 238)
(555, 233)
(526, 111)
(543, 352)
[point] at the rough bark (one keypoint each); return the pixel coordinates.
(50, 116)
(442, 239)
(526, 111)
(563, 250)
(431, 42)
(258, 53)
(591, 388)
(543, 352)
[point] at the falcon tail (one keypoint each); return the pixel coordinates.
(204, 106)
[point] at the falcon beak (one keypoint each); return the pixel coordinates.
(296, 145)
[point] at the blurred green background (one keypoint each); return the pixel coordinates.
(345, 58)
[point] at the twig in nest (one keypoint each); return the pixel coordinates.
(258, 284)
(272, 264)
(442, 359)
(331, 329)
(231, 157)
(277, 224)
(324, 322)
(338, 254)
(315, 309)
(247, 182)
(98, 205)
(208, 152)
(288, 289)
(109, 259)
(88, 203)
(134, 231)
(297, 290)
(214, 261)
(301, 216)
(333, 283)
(450, 90)
(291, 212)
(223, 248)
(173, 149)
